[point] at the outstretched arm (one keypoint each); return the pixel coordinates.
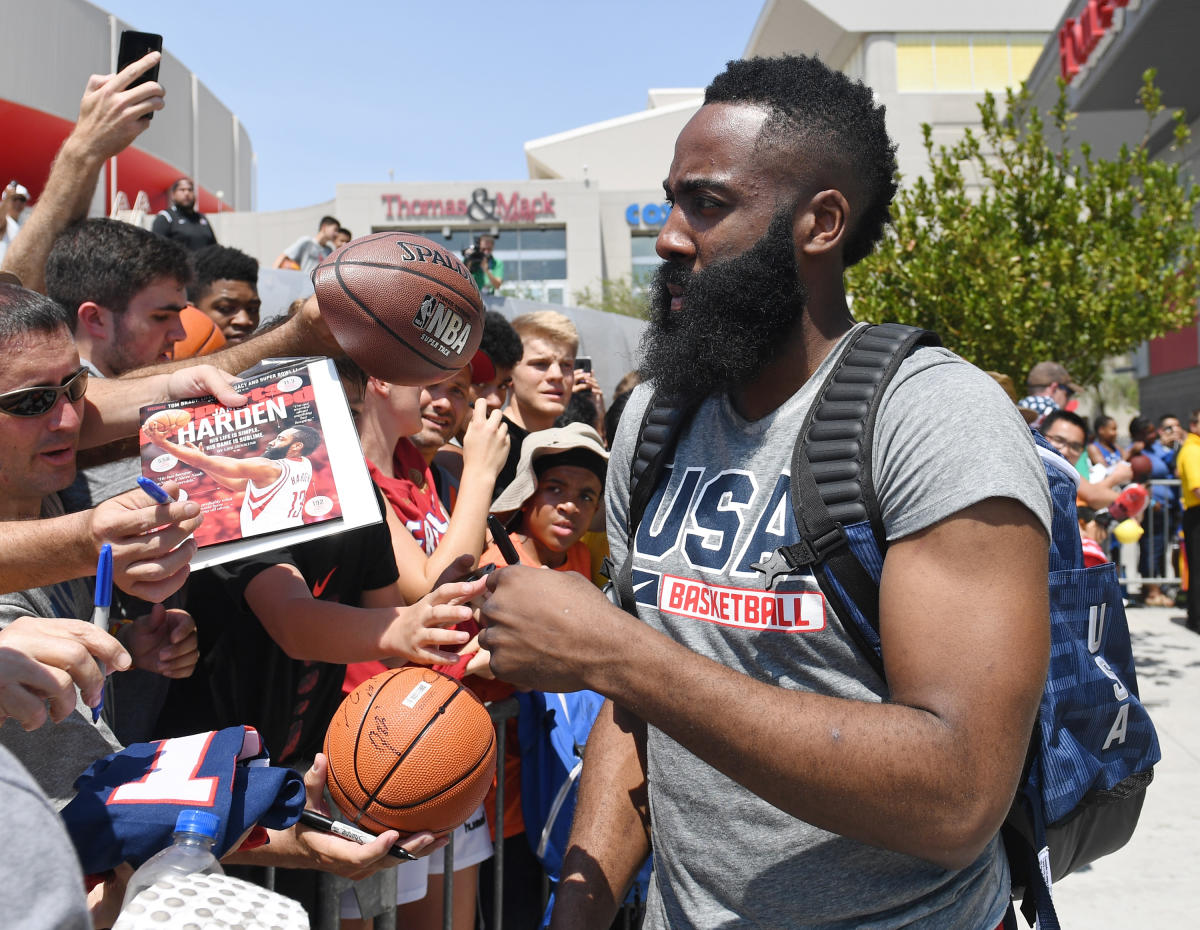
(930, 773)
(324, 631)
(230, 473)
(485, 450)
(110, 118)
(151, 545)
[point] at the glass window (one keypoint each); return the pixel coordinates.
(948, 62)
(990, 70)
(952, 63)
(914, 64)
(1025, 54)
(645, 260)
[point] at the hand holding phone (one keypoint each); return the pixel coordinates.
(134, 47)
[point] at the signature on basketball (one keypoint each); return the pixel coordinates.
(379, 737)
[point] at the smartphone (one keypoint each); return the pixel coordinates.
(583, 363)
(135, 46)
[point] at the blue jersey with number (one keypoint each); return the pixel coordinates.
(127, 803)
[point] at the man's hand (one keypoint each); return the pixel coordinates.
(418, 630)
(151, 544)
(112, 114)
(163, 641)
(44, 659)
(199, 380)
(486, 443)
(318, 337)
(546, 629)
(303, 847)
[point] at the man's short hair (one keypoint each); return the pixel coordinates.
(23, 312)
(827, 116)
(1068, 415)
(326, 220)
(1164, 417)
(308, 437)
(179, 181)
(1194, 417)
(1138, 427)
(220, 263)
(500, 341)
(549, 325)
(109, 262)
(342, 230)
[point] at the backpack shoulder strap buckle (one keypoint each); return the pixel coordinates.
(788, 560)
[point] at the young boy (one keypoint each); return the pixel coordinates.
(550, 504)
(558, 487)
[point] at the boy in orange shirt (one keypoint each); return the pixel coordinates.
(549, 506)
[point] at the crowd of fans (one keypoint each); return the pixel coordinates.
(92, 316)
(1106, 467)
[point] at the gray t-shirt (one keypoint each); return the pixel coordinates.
(43, 884)
(56, 753)
(307, 253)
(947, 437)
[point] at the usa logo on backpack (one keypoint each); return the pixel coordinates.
(1093, 749)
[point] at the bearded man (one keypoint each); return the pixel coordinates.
(791, 785)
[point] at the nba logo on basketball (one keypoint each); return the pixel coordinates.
(441, 327)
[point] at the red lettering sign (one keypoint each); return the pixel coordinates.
(1078, 38)
(509, 209)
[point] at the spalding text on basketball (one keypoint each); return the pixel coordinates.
(441, 327)
(413, 252)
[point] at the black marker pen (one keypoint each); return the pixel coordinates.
(503, 543)
(348, 832)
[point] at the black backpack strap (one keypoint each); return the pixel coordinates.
(662, 423)
(832, 478)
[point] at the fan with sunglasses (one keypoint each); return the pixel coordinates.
(40, 399)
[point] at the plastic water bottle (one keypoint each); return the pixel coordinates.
(190, 853)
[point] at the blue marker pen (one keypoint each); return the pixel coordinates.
(151, 487)
(103, 604)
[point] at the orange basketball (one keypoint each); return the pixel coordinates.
(202, 336)
(166, 422)
(410, 749)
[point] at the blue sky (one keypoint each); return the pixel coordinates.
(446, 90)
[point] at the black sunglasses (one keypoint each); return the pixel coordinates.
(40, 399)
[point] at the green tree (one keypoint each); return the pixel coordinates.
(614, 295)
(1016, 250)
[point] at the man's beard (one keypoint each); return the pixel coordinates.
(275, 452)
(736, 317)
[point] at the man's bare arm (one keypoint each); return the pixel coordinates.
(610, 835)
(229, 472)
(930, 773)
(151, 549)
(302, 335)
(110, 118)
(112, 405)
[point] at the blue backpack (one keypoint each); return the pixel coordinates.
(552, 729)
(1093, 748)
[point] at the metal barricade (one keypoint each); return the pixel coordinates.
(1160, 538)
(330, 887)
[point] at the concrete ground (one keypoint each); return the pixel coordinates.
(1154, 882)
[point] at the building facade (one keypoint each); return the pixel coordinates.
(592, 205)
(196, 136)
(1101, 48)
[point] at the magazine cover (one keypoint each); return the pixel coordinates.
(285, 465)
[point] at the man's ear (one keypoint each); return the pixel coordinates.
(821, 223)
(95, 321)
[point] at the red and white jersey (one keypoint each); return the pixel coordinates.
(280, 504)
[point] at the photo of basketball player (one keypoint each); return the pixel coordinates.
(275, 484)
